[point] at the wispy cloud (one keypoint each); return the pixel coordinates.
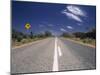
(41, 25)
(72, 16)
(63, 30)
(69, 27)
(79, 24)
(76, 10)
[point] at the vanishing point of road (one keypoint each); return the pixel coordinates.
(52, 54)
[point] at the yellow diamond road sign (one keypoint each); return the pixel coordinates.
(27, 26)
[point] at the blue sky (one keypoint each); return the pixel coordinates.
(56, 18)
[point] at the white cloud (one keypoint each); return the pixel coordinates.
(63, 30)
(41, 25)
(72, 16)
(76, 10)
(69, 27)
(79, 24)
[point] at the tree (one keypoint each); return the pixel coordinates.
(79, 35)
(92, 33)
(47, 34)
(17, 36)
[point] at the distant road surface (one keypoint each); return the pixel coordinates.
(52, 54)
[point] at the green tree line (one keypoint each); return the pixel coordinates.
(19, 36)
(89, 34)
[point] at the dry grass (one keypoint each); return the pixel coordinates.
(85, 41)
(24, 41)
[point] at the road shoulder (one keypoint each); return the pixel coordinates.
(27, 44)
(78, 42)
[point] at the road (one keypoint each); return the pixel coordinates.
(52, 54)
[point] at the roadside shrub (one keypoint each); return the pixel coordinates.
(19, 39)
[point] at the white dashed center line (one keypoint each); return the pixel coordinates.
(59, 51)
(55, 62)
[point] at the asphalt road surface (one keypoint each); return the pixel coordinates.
(52, 54)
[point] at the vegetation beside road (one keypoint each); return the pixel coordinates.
(19, 38)
(88, 37)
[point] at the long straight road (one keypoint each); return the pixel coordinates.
(52, 54)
